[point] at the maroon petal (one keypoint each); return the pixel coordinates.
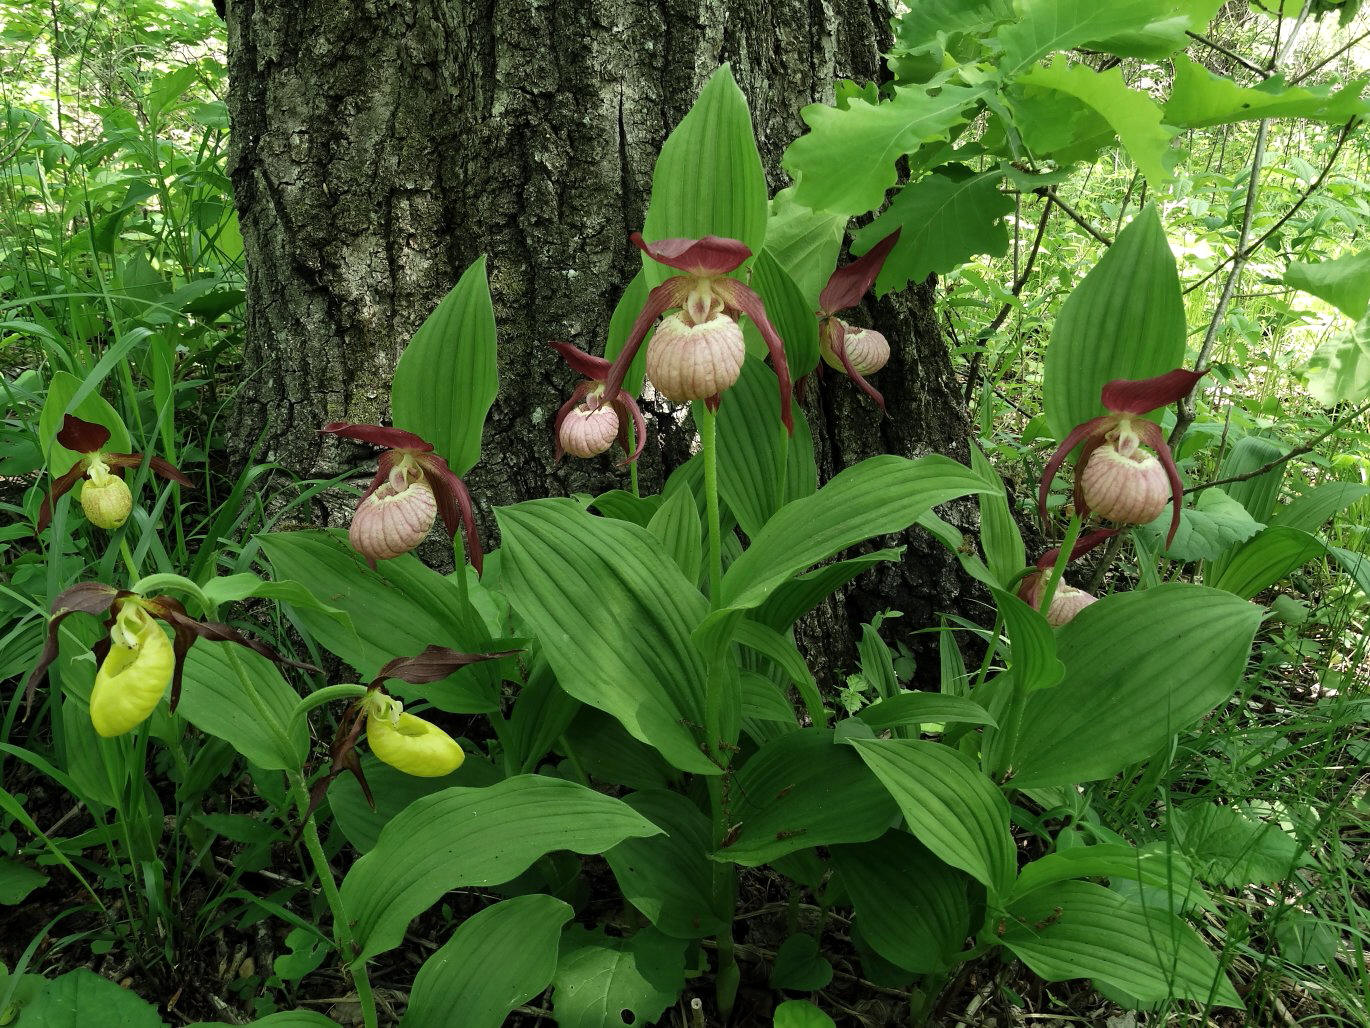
(84, 598)
(743, 298)
(378, 435)
(626, 407)
(849, 284)
(385, 464)
(454, 505)
(1082, 546)
(187, 629)
(1143, 395)
(671, 293)
(838, 340)
(343, 750)
(60, 487)
(432, 665)
(592, 367)
(82, 436)
(1077, 435)
(712, 255)
(1153, 437)
(160, 465)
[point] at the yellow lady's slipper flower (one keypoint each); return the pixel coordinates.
(137, 661)
(134, 675)
(105, 497)
(408, 743)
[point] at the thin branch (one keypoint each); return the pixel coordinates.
(1078, 218)
(1298, 451)
(1186, 410)
(1229, 54)
(1017, 288)
(1307, 193)
(1327, 60)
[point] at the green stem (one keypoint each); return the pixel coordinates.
(342, 929)
(724, 880)
(129, 562)
(708, 435)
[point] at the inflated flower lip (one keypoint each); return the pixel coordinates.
(604, 418)
(110, 502)
(405, 742)
(410, 478)
(1066, 600)
(1121, 432)
(844, 290)
(136, 661)
(702, 294)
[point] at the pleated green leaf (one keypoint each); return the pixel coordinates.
(394, 611)
(474, 837)
(1000, 538)
(912, 908)
(677, 526)
(1124, 320)
(213, 700)
(923, 708)
(708, 179)
(1259, 493)
(1082, 930)
(1033, 660)
(802, 790)
(393, 791)
(793, 599)
(1313, 509)
(749, 434)
(1270, 556)
(792, 315)
(669, 877)
(1140, 666)
(880, 495)
(950, 805)
(496, 960)
(446, 379)
(614, 616)
(610, 982)
(1157, 867)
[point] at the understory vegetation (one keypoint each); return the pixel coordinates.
(258, 769)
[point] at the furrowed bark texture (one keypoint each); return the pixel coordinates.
(380, 146)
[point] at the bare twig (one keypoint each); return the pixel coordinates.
(1302, 76)
(1185, 408)
(1017, 288)
(1078, 218)
(1298, 451)
(1229, 54)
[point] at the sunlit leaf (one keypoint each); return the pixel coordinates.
(1199, 98)
(943, 219)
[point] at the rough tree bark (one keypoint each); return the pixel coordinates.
(379, 146)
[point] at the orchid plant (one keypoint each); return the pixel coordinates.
(105, 497)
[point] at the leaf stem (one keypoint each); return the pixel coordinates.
(708, 437)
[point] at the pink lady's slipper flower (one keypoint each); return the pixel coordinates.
(1114, 476)
(588, 423)
(1066, 600)
(137, 661)
(857, 351)
(413, 485)
(405, 742)
(105, 497)
(697, 352)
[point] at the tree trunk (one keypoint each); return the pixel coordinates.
(379, 147)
